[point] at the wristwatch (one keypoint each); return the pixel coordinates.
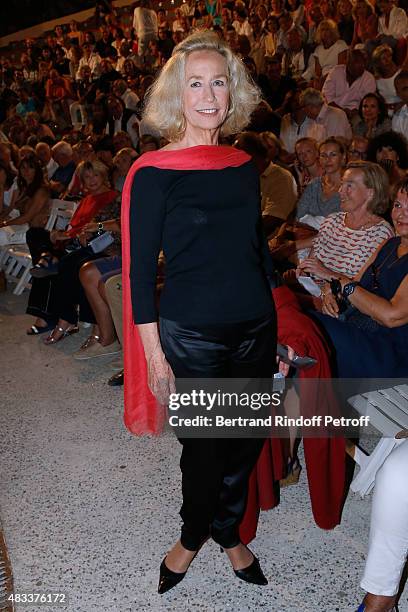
(100, 227)
(349, 289)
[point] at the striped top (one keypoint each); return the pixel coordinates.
(346, 250)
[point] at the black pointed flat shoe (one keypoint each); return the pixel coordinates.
(168, 579)
(252, 574)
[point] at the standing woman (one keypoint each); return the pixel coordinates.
(217, 317)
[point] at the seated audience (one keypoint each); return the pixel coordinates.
(331, 50)
(386, 70)
(62, 155)
(274, 86)
(400, 117)
(357, 150)
(278, 187)
(130, 98)
(365, 22)
(373, 116)
(58, 256)
(297, 56)
(393, 20)
(91, 59)
(296, 124)
(29, 203)
(390, 150)
(333, 120)
(43, 152)
(122, 162)
(321, 196)
(348, 83)
(307, 164)
(345, 21)
(271, 38)
(38, 129)
(373, 315)
(121, 118)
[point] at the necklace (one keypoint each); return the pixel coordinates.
(329, 188)
(362, 226)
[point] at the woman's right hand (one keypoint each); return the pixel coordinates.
(160, 379)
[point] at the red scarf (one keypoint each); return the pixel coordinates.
(143, 414)
(88, 207)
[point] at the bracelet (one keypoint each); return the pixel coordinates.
(100, 227)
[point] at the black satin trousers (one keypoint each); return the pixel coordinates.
(215, 472)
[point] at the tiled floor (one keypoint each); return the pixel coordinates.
(90, 510)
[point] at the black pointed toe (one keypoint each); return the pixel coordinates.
(252, 573)
(168, 579)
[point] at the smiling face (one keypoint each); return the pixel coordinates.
(399, 214)
(206, 91)
(93, 181)
(354, 194)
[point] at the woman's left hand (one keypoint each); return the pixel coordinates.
(90, 227)
(284, 367)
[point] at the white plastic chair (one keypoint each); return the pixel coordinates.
(15, 258)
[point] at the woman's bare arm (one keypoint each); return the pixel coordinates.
(38, 201)
(390, 313)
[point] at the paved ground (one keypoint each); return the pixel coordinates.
(90, 510)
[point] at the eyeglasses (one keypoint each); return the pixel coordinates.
(360, 154)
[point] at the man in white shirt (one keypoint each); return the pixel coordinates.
(241, 25)
(347, 84)
(145, 25)
(91, 59)
(334, 120)
(393, 20)
(400, 118)
(43, 152)
(122, 119)
(286, 25)
(129, 97)
(296, 125)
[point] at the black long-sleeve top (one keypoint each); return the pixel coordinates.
(208, 223)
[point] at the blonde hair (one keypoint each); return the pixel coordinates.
(377, 55)
(126, 151)
(164, 103)
(374, 178)
(95, 166)
(330, 25)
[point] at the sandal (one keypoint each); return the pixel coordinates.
(53, 339)
(46, 266)
(35, 330)
(293, 473)
(89, 341)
